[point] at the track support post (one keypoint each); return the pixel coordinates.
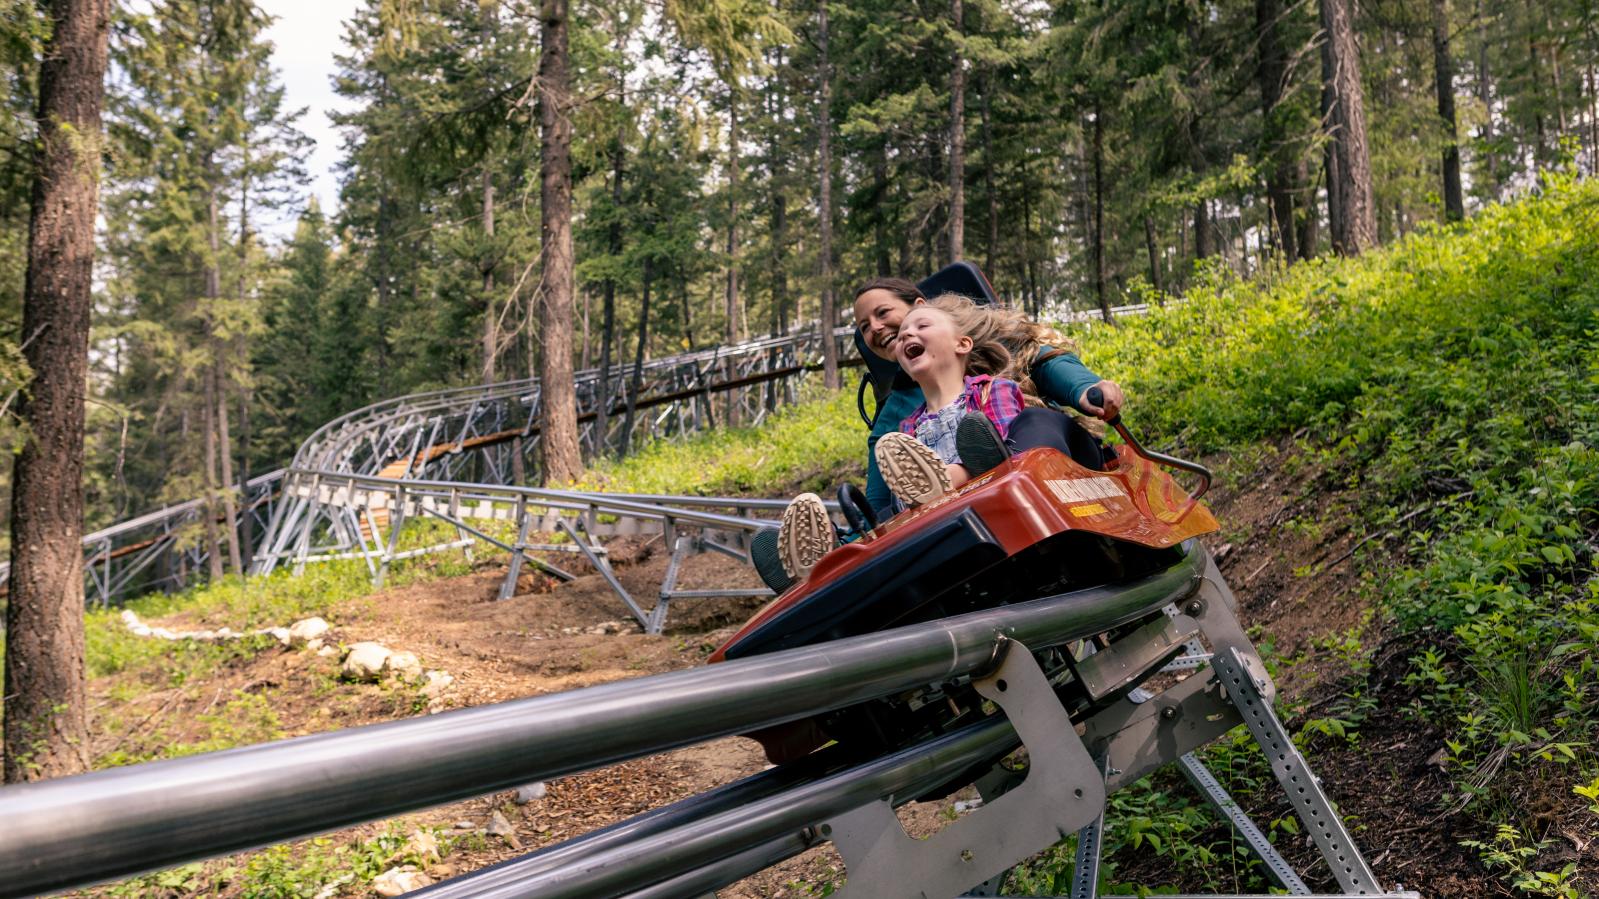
(1063, 791)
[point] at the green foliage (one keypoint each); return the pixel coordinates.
(806, 446)
(1161, 816)
(1513, 853)
(1451, 381)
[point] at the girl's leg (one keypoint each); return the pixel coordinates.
(1037, 426)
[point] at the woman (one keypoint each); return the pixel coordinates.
(1046, 366)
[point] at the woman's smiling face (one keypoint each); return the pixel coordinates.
(928, 341)
(878, 314)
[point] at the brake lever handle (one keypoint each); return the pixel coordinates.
(1096, 397)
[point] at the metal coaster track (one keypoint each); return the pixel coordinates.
(58, 834)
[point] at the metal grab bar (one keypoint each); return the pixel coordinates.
(58, 836)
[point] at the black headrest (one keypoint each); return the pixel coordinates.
(964, 278)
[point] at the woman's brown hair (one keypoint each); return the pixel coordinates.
(907, 292)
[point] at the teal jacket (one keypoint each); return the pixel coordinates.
(1060, 379)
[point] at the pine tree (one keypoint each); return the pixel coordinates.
(46, 723)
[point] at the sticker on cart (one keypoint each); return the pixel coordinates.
(1086, 490)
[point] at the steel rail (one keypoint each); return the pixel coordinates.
(713, 836)
(58, 834)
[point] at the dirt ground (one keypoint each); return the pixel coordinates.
(553, 637)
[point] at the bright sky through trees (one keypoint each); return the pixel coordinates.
(306, 36)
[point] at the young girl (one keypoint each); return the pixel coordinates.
(936, 346)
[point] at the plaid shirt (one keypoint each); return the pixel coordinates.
(997, 398)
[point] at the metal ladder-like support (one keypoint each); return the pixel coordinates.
(1246, 692)
(682, 546)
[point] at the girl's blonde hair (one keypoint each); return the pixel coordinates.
(1005, 342)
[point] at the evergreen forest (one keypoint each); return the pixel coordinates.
(735, 168)
(1341, 251)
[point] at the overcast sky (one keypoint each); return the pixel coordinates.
(307, 34)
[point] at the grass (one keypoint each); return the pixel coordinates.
(807, 446)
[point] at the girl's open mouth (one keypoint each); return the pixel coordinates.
(912, 350)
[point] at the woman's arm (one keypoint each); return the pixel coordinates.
(1063, 379)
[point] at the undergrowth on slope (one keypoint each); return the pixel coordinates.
(808, 445)
(1452, 381)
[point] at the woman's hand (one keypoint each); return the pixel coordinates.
(1113, 401)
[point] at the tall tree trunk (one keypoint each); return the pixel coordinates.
(1485, 96)
(688, 314)
(1306, 218)
(957, 140)
(1356, 220)
(46, 725)
(1099, 211)
(1329, 155)
(213, 293)
(1556, 78)
(731, 296)
(383, 288)
(491, 322)
(246, 518)
(1272, 72)
(637, 382)
(230, 506)
(244, 527)
(1444, 72)
(208, 474)
(779, 263)
(825, 202)
(1202, 230)
(1154, 254)
(561, 456)
(988, 179)
(608, 313)
(880, 212)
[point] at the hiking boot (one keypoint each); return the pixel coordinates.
(805, 535)
(912, 472)
(979, 443)
(768, 564)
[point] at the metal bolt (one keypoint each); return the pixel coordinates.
(1169, 712)
(1195, 607)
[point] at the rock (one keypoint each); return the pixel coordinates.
(423, 846)
(401, 880)
(532, 792)
(500, 827)
(315, 644)
(327, 651)
(365, 661)
(307, 629)
(404, 664)
(281, 633)
(435, 682)
(465, 825)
